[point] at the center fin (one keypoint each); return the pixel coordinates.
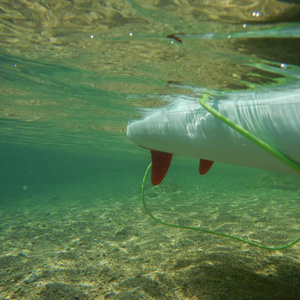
(160, 165)
(204, 166)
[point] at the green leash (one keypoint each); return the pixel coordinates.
(205, 230)
(294, 165)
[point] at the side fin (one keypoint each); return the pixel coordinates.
(160, 165)
(204, 166)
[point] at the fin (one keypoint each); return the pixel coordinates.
(173, 36)
(160, 165)
(204, 166)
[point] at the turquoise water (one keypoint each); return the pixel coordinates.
(72, 75)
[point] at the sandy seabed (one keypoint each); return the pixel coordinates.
(87, 247)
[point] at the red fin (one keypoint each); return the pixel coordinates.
(204, 166)
(173, 36)
(160, 164)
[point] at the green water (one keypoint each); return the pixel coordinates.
(72, 74)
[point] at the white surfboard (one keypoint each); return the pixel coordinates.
(186, 128)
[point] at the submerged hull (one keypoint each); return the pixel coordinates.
(186, 128)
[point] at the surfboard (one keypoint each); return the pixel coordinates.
(185, 128)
